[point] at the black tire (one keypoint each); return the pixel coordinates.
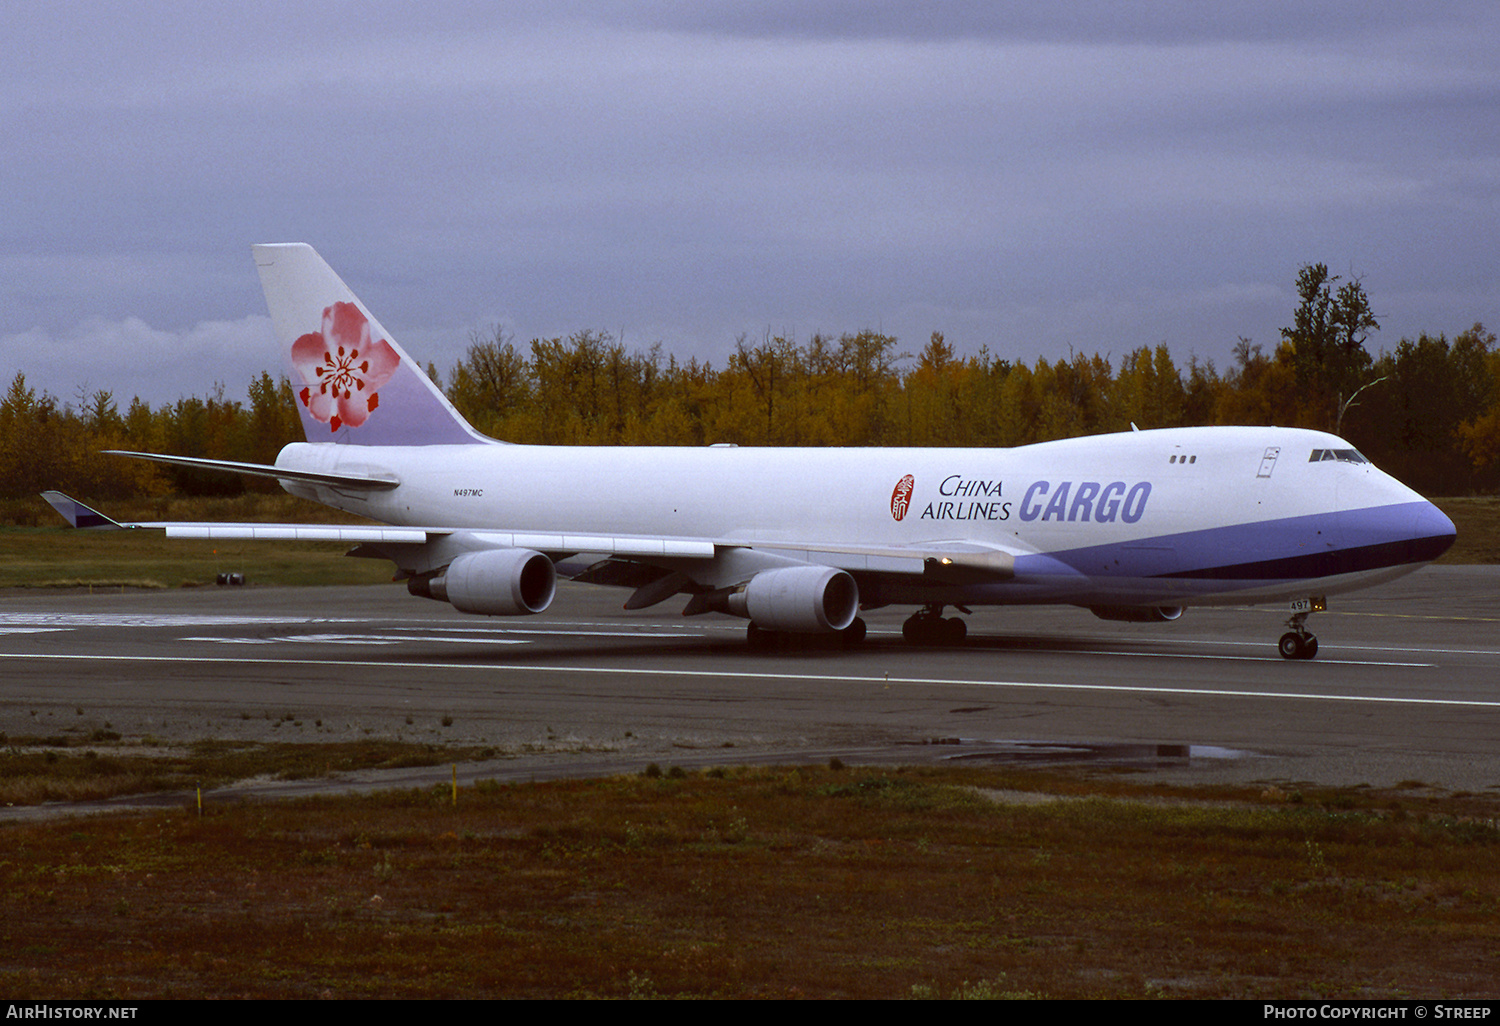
(1291, 646)
(853, 635)
(760, 640)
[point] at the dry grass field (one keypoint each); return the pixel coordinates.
(816, 882)
(1478, 521)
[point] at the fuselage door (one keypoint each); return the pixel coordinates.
(1268, 461)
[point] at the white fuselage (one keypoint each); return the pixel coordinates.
(1184, 516)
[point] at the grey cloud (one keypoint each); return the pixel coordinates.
(1026, 177)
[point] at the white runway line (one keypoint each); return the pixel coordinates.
(782, 676)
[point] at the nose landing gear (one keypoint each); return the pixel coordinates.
(1299, 642)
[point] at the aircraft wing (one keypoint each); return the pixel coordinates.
(83, 516)
(946, 560)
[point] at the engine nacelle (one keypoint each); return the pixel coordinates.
(1137, 614)
(497, 582)
(802, 599)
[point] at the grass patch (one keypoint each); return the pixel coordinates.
(752, 882)
(1478, 521)
(89, 768)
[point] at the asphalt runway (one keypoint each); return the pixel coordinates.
(1406, 686)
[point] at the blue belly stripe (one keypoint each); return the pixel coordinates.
(1317, 545)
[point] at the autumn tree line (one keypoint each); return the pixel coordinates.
(1428, 411)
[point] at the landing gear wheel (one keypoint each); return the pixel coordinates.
(853, 635)
(1298, 646)
(928, 627)
(760, 640)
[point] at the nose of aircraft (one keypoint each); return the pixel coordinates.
(1389, 524)
(1432, 533)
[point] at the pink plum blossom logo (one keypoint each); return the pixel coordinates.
(342, 367)
(901, 496)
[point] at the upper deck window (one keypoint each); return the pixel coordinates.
(1342, 455)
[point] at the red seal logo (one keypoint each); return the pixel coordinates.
(901, 496)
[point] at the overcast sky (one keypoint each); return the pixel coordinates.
(1030, 177)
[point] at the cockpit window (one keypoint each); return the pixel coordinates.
(1342, 455)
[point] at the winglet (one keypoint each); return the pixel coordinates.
(79, 515)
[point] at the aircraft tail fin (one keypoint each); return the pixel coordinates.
(353, 383)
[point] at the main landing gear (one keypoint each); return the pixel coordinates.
(1299, 642)
(927, 627)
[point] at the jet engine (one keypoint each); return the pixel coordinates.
(1137, 614)
(802, 599)
(497, 582)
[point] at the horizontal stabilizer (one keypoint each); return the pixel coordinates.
(265, 470)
